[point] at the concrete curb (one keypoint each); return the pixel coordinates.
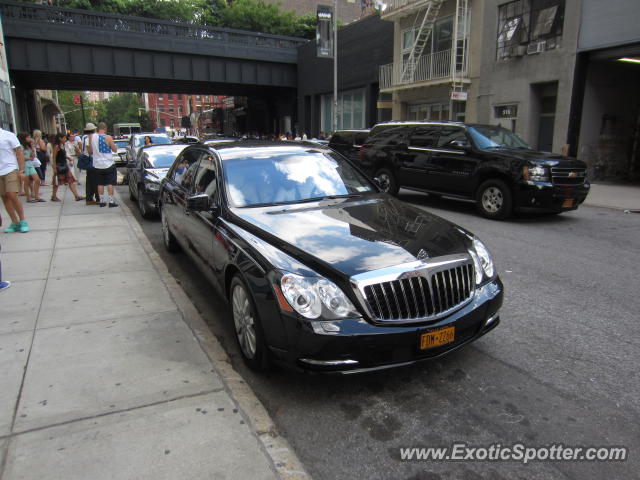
(284, 460)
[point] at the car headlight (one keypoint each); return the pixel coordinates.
(482, 261)
(152, 186)
(536, 174)
(313, 297)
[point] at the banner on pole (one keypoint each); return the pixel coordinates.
(324, 31)
(77, 100)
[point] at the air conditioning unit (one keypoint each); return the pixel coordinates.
(536, 47)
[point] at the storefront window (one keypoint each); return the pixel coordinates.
(351, 111)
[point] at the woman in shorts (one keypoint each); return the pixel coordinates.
(62, 170)
(31, 178)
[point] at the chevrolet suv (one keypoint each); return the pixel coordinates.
(488, 164)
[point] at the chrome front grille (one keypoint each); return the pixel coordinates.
(425, 291)
(568, 176)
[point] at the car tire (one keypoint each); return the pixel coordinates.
(170, 242)
(142, 206)
(131, 195)
(494, 199)
(388, 181)
(247, 325)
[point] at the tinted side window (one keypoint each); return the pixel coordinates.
(449, 135)
(337, 139)
(185, 168)
(360, 138)
(388, 135)
(205, 180)
(424, 137)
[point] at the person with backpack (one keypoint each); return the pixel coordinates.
(102, 147)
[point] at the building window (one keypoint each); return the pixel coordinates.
(506, 115)
(433, 111)
(170, 96)
(160, 96)
(528, 26)
(351, 111)
(170, 108)
(180, 110)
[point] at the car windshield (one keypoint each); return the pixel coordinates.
(487, 137)
(161, 159)
(155, 139)
(121, 143)
(281, 176)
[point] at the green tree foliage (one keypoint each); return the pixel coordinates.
(252, 15)
(176, 10)
(125, 107)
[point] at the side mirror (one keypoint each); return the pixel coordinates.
(460, 145)
(198, 203)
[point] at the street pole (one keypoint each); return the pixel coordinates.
(84, 120)
(335, 65)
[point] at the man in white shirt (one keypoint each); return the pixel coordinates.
(11, 175)
(102, 147)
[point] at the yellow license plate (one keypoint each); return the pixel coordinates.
(567, 203)
(436, 338)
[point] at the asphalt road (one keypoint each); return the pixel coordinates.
(562, 367)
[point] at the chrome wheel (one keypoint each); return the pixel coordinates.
(385, 181)
(244, 321)
(492, 199)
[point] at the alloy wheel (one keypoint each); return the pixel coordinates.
(244, 321)
(492, 199)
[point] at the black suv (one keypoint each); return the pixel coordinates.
(348, 142)
(485, 163)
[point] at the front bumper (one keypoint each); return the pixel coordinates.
(150, 196)
(355, 345)
(547, 197)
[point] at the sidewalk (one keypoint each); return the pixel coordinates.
(621, 197)
(107, 371)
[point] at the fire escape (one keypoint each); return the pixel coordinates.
(421, 66)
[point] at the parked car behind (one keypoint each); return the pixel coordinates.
(322, 270)
(146, 173)
(348, 142)
(488, 164)
(186, 140)
(137, 141)
(120, 157)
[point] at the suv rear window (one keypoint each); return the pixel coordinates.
(388, 135)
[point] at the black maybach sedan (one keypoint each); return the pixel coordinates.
(324, 271)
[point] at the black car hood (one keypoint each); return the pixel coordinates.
(543, 158)
(353, 236)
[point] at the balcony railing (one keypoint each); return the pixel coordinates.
(394, 5)
(431, 67)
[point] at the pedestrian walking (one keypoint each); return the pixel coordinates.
(31, 182)
(41, 153)
(73, 150)
(11, 173)
(101, 148)
(4, 284)
(91, 188)
(62, 170)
